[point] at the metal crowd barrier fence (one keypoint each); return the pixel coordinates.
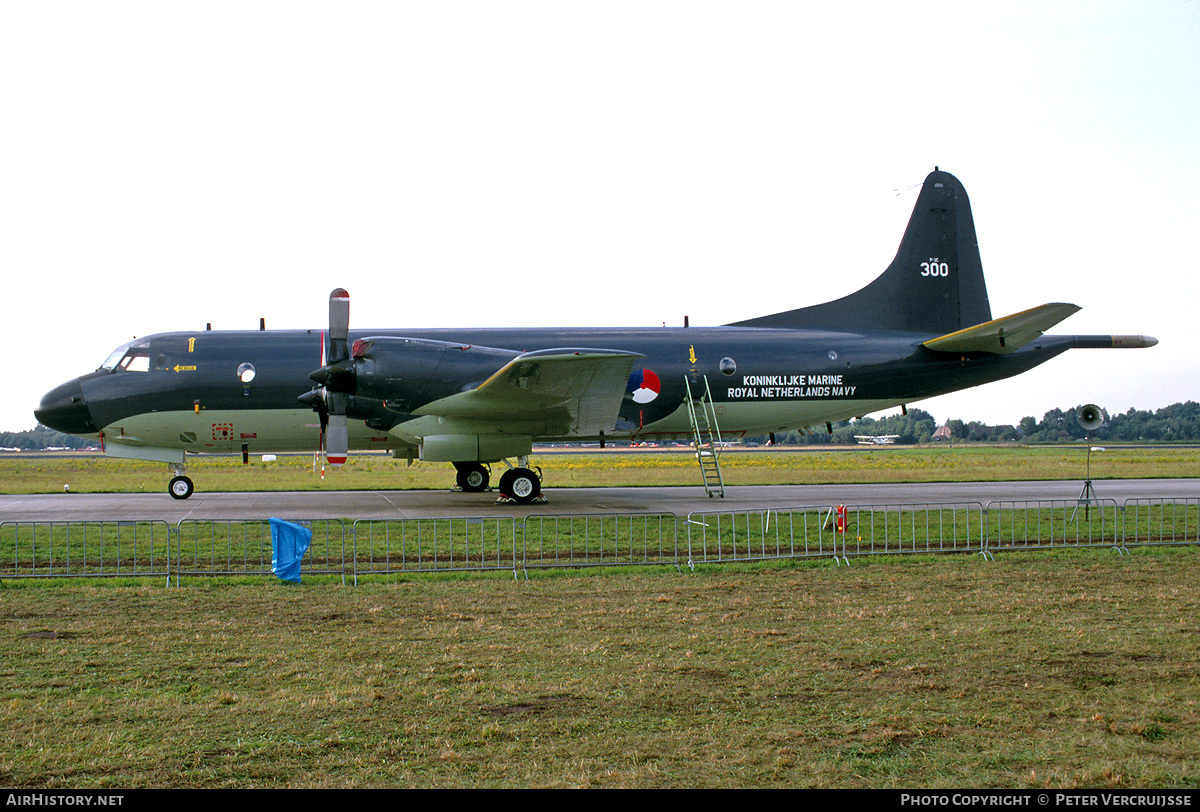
(946, 527)
(210, 548)
(1050, 523)
(839, 531)
(748, 535)
(596, 540)
(388, 546)
(85, 549)
(1161, 521)
(222, 547)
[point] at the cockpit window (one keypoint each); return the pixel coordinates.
(135, 361)
(115, 357)
(129, 358)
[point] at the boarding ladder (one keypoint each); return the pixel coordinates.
(706, 436)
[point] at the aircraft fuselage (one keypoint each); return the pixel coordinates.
(189, 393)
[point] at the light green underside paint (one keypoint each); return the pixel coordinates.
(742, 419)
(280, 430)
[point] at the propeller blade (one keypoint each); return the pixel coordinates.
(337, 440)
(336, 378)
(339, 325)
(337, 435)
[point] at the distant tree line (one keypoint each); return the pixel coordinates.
(1179, 422)
(41, 438)
(915, 427)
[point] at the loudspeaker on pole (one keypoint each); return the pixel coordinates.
(1091, 417)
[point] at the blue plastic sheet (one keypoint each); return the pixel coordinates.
(289, 543)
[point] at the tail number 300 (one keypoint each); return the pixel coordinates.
(935, 268)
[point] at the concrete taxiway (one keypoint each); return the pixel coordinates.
(560, 501)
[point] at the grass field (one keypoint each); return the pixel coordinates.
(1039, 669)
(1065, 669)
(88, 474)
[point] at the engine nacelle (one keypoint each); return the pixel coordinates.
(474, 447)
(409, 372)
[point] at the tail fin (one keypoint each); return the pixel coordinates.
(934, 285)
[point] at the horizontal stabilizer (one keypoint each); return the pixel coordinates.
(1005, 335)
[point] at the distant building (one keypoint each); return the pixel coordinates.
(942, 433)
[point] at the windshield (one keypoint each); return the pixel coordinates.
(129, 357)
(115, 356)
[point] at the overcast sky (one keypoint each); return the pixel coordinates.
(169, 164)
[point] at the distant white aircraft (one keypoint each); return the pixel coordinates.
(876, 439)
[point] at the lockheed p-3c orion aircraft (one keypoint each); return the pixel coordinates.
(476, 396)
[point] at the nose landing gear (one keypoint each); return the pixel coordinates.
(180, 487)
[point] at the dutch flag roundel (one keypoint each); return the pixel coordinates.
(643, 385)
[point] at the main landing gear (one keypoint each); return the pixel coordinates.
(473, 477)
(521, 484)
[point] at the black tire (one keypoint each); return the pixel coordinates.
(505, 484)
(472, 477)
(521, 485)
(180, 487)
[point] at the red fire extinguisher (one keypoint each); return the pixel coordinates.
(841, 519)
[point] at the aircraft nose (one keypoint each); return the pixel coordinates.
(64, 409)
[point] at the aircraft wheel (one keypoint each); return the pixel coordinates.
(523, 485)
(505, 486)
(180, 487)
(473, 477)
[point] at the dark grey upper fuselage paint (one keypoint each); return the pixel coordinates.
(771, 365)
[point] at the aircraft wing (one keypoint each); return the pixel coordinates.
(554, 392)
(1005, 335)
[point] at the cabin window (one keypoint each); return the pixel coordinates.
(246, 373)
(728, 367)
